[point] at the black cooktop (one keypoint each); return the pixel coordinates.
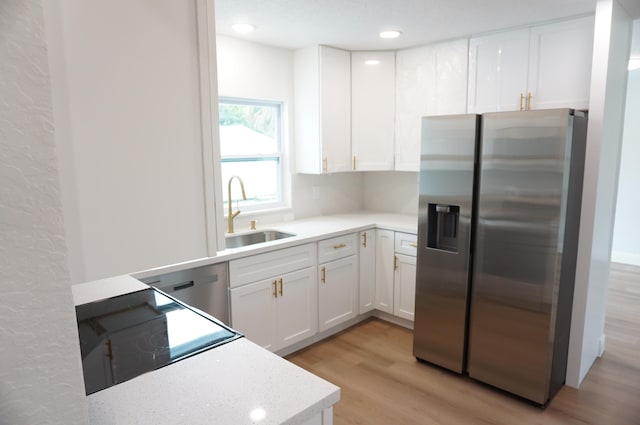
(125, 336)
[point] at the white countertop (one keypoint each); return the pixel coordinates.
(225, 385)
(105, 288)
(306, 230)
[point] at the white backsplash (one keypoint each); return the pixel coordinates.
(391, 191)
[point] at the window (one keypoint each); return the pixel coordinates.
(251, 148)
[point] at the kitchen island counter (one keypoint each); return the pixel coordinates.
(235, 383)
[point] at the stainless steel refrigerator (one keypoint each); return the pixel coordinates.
(499, 213)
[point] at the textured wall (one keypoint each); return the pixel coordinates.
(40, 371)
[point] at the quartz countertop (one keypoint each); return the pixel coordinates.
(306, 230)
(235, 383)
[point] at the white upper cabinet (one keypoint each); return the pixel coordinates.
(498, 66)
(373, 110)
(322, 97)
(560, 64)
(430, 80)
(546, 66)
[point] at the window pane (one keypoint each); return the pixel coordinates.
(248, 129)
(250, 146)
(260, 179)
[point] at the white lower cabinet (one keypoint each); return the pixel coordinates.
(281, 297)
(404, 277)
(404, 287)
(254, 313)
(277, 310)
(367, 258)
(396, 273)
(337, 280)
(384, 270)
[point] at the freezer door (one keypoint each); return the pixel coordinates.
(444, 234)
(522, 214)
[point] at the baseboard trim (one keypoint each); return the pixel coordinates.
(601, 345)
(625, 258)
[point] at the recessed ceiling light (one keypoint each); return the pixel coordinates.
(390, 34)
(371, 62)
(243, 28)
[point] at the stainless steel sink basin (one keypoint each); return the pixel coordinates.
(259, 236)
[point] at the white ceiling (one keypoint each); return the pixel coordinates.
(355, 24)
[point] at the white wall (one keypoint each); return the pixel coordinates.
(252, 70)
(125, 79)
(40, 370)
(626, 237)
(604, 140)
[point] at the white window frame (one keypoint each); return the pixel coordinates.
(282, 198)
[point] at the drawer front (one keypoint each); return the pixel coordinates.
(271, 264)
(406, 243)
(338, 247)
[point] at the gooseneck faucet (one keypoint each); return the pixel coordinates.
(232, 214)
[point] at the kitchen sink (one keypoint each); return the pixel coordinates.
(237, 241)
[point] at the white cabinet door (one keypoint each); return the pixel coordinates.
(498, 65)
(275, 313)
(560, 64)
(322, 103)
(367, 287)
(415, 98)
(430, 80)
(253, 312)
(297, 306)
(384, 270)
(451, 71)
(338, 292)
(335, 109)
(373, 110)
(404, 287)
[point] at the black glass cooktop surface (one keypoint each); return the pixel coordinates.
(125, 336)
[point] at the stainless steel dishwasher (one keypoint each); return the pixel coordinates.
(204, 288)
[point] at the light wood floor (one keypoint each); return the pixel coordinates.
(382, 383)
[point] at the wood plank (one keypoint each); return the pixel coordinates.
(382, 383)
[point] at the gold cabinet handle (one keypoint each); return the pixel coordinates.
(364, 239)
(529, 101)
(413, 245)
(275, 288)
(354, 163)
(323, 275)
(339, 246)
(280, 282)
(324, 164)
(395, 262)
(521, 99)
